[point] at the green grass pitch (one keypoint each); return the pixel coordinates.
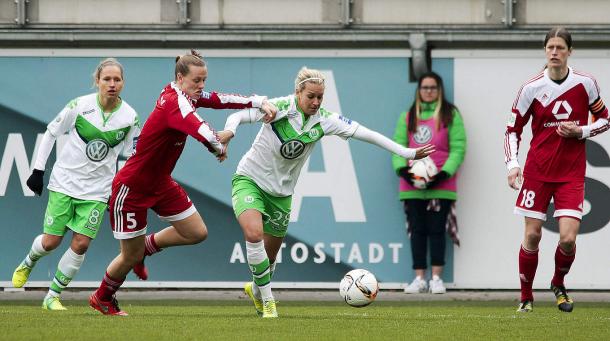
(179, 320)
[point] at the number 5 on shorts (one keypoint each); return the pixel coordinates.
(131, 220)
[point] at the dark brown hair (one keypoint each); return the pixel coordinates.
(560, 32)
(183, 62)
(444, 108)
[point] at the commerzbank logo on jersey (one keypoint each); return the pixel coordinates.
(562, 110)
(97, 150)
(423, 134)
(292, 149)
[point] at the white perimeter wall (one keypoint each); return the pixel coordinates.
(486, 84)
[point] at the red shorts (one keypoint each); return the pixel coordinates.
(128, 208)
(535, 196)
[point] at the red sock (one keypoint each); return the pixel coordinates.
(528, 262)
(151, 245)
(108, 288)
(563, 262)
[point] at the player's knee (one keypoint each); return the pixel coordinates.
(199, 235)
(533, 237)
(253, 235)
(567, 244)
(50, 242)
(79, 247)
(80, 244)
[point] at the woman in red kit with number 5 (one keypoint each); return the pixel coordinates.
(145, 182)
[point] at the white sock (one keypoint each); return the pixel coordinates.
(259, 262)
(36, 252)
(68, 267)
(256, 291)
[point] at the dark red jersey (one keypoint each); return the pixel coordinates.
(553, 158)
(164, 134)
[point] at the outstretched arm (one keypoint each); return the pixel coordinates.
(370, 136)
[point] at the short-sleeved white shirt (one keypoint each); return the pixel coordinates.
(281, 147)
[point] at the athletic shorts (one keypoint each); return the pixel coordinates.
(247, 195)
(535, 196)
(65, 212)
(128, 208)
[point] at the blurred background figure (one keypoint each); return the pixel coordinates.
(430, 210)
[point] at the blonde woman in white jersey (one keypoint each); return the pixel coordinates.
(100, 127)
(267, 174)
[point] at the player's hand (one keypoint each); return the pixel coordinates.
(34, 182)
(569, 130)
(224, 136)
(270, 111)
(424, 151)
(404, 173)
(515, 178)
(223, 155)
(442, 175)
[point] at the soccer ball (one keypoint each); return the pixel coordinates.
(359, 288)
(422, 171)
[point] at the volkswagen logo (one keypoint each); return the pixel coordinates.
(292, 149)
(97, 150)
(423, 134)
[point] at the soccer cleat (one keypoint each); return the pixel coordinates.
(106, 308)
(564, 302)
(52, 303)
(269, 310)
(21, 274)
(141, 271)
(525, 307)
(437, 287)
(418, 286)
(258, 303)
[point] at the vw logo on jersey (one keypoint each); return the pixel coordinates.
(120, 135)
(562, 110)
(313, 134)
(423, 134)
(97, 150)
(292, 149)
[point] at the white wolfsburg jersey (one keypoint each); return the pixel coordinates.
(87, 162)
(281, 148)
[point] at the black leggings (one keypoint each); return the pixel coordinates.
(427, 225)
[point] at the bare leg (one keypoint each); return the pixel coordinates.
(132, 252)
(188, 231)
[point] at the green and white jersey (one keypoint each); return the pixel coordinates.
(87, 161)
(281, 147)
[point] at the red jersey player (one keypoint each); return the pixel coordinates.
(558, 100)
(146, 182)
